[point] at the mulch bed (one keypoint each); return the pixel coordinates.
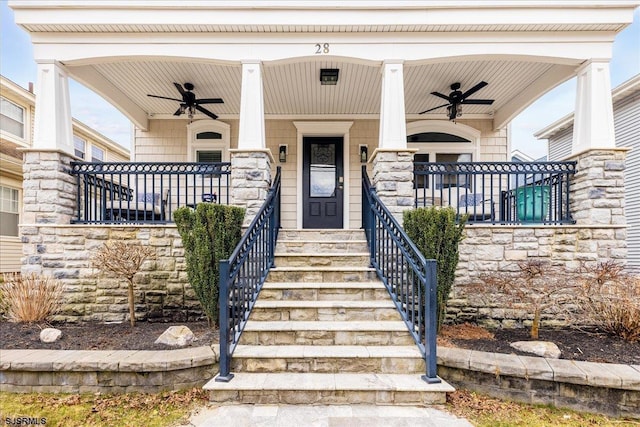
(100, 336)
(574, 344)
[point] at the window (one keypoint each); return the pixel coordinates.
(11, 118)
(9, 214)
(79, 145)
(453, 179)
(208, 141)
(97, 154)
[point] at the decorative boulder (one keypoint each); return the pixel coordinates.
(539, 348)
(176, 336)
(50, 334)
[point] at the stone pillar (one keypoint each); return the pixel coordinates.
(250, 180)
(597, 189)
(52, 126)
(393, 127)
(593, 121)
(393, 179)
(49, 197)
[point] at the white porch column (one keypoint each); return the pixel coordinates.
(52, 127)
(251, 162)
(251, 134)
(593, 121)
(393, 127)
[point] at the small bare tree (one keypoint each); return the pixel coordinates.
(536, 286)
(611, 298)
(29, 298)
(124, 260)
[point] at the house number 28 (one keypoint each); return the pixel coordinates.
(322, 48)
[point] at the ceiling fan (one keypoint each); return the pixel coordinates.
(189, 103)
(456, 98)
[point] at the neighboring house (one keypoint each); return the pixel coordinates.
(626, 116)
(16, 133)
(321, 89)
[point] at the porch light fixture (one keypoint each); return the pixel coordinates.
(329, 76)
(364, 153)
(282, 153)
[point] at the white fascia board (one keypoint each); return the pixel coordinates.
(553, 77)
(394, 14)
(552, 48)
(11, 89)
(89, 77)
(93, 134)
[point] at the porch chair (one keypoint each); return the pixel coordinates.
(146, 207)
(478, 208)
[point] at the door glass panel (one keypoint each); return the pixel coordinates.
(322, 173)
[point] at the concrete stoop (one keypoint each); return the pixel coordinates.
(325, 331)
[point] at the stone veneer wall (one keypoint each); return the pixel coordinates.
(162, 290)
(486, 249)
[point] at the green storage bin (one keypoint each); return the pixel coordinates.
(533, 202)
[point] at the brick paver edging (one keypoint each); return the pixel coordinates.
(605, 388)
(105, 371)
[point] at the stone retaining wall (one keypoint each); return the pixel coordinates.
(105, 371)
(162, 290)
(488, 249)
(605, 388)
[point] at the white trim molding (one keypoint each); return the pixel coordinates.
(199, 126)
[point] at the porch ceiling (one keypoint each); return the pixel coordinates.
(294, 89)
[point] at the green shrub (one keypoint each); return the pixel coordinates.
(437, 232)
(209, 234)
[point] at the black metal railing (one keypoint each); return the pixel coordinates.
(498, 192)
(123, 192)
(407, 275)
(244, 273)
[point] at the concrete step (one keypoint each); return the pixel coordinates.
(322, 260)
(322, 274)
(320, 246)
(313, 388)
(329, 359)
(324, 310)
(326, 235)
(326, 333)
(328, 291)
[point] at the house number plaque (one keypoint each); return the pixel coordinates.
(322, 48)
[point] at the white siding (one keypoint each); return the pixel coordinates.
(560, 145)
(627, 127)
(10, 254)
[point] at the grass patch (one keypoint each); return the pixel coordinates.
(132, 409)
(484, 411)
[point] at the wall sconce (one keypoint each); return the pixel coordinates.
(329, 76)
(282, 153)
(364, 153)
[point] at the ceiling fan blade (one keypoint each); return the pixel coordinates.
(179, 87)
(164, 97)
(178, 112)
(474, 89)
(207, 112)
(434, 108)
(445, 97)
(210, 101)
(478, 101)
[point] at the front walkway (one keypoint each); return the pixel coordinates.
(324, 416)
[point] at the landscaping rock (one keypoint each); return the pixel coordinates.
(50, 334)
(176, 336)
(540, 348)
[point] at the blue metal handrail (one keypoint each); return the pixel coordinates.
(498, 192)
(145, 192)
(244, 273)
(407, 275)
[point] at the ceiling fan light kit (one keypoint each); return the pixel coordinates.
(189, 103)
(456, 98)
